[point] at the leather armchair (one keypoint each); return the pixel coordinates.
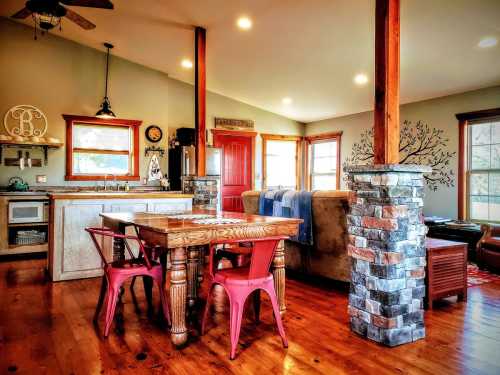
(488, 247)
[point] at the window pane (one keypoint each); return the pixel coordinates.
(480, 157)
(495, 132)
(494, 209)
(101, 137)
(495, 156)
(480, 134)
(479, 184)
(324, 182)
(281, 164)
(324, 165)
(100, 164)
(494, 186)
(325, 149)
(479, 208)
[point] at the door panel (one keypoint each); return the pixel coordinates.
(237, 169)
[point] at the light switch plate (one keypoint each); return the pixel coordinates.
(41, 179)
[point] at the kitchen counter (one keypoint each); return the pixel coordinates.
(118, 195)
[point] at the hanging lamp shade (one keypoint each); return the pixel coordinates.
(105, 110)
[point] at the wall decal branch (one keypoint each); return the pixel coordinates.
(418, 144)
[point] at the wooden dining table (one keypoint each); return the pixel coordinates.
(184, 239)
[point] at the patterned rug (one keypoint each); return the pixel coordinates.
(476, 277)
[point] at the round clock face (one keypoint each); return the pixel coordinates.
(154, 133)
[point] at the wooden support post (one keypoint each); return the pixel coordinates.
(200, 99)
(386, 127)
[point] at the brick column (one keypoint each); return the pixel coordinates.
(387, 249)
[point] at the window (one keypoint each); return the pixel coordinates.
(479, 168)
(484, 171)
(96, 147)
(280, 161)
(323, 155)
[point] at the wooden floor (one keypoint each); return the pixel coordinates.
(45, 328)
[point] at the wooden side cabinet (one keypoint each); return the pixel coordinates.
(446, 270)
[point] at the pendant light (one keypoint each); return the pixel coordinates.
(105, 111)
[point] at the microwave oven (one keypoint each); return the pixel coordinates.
(28, 212)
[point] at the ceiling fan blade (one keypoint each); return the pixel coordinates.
(79, 20)
(104, 4)
(23, 13)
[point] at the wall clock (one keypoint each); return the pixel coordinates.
(154, 133)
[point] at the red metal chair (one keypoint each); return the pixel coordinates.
(240, 282)
(116, 272)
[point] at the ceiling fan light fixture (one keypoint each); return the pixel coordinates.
(105, 110)
(46, 21)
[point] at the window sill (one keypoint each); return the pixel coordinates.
(101, 178)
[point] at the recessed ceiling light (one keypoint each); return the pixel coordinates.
(360, 79)
(488, 42)
(186, 63)
(244, 23)
(287, 100)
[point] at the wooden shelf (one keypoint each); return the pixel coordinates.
(12, 143)
(22, 249)
(28, 144)
(13, 225)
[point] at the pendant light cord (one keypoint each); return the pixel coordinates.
(107, 70)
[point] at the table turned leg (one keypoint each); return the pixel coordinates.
(193, 265)
(279, 275)
(178, 296)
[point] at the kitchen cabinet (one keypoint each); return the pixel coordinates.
(71, 252)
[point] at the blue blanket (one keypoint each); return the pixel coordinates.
(290, 203)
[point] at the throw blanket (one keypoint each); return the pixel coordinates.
(290, 203)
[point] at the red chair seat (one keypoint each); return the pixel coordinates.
(240, 275)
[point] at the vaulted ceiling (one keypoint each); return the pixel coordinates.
(308, 50)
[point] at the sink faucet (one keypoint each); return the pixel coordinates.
(106, 179)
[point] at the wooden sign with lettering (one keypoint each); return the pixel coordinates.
(228, 123)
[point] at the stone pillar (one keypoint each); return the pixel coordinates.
(387, 249)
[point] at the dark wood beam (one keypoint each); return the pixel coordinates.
(386, 127)
(200, 100)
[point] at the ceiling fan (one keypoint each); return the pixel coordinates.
(48, 13)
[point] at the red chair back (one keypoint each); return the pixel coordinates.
(262, 254)
(105, 232)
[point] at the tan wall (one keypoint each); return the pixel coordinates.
(438, 113)
(59, 76)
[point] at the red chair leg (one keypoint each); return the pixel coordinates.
(277, 316)
(102, 294)
(235, 324)
(112, 299)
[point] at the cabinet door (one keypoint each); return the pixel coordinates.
(79, 256)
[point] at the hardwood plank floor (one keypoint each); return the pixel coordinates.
(46, 328)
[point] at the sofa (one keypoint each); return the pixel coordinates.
(488, 247)
(328, 256)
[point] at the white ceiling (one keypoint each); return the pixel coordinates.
(308, 50)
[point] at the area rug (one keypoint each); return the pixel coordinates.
(476, 277)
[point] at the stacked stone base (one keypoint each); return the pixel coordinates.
(387, 249)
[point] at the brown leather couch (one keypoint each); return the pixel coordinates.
(328, 256)
(488, 247)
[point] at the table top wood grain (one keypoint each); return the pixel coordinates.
(162, 223)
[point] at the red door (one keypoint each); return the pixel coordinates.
(236, 166)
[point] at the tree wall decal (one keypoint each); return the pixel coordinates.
(418, 144)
